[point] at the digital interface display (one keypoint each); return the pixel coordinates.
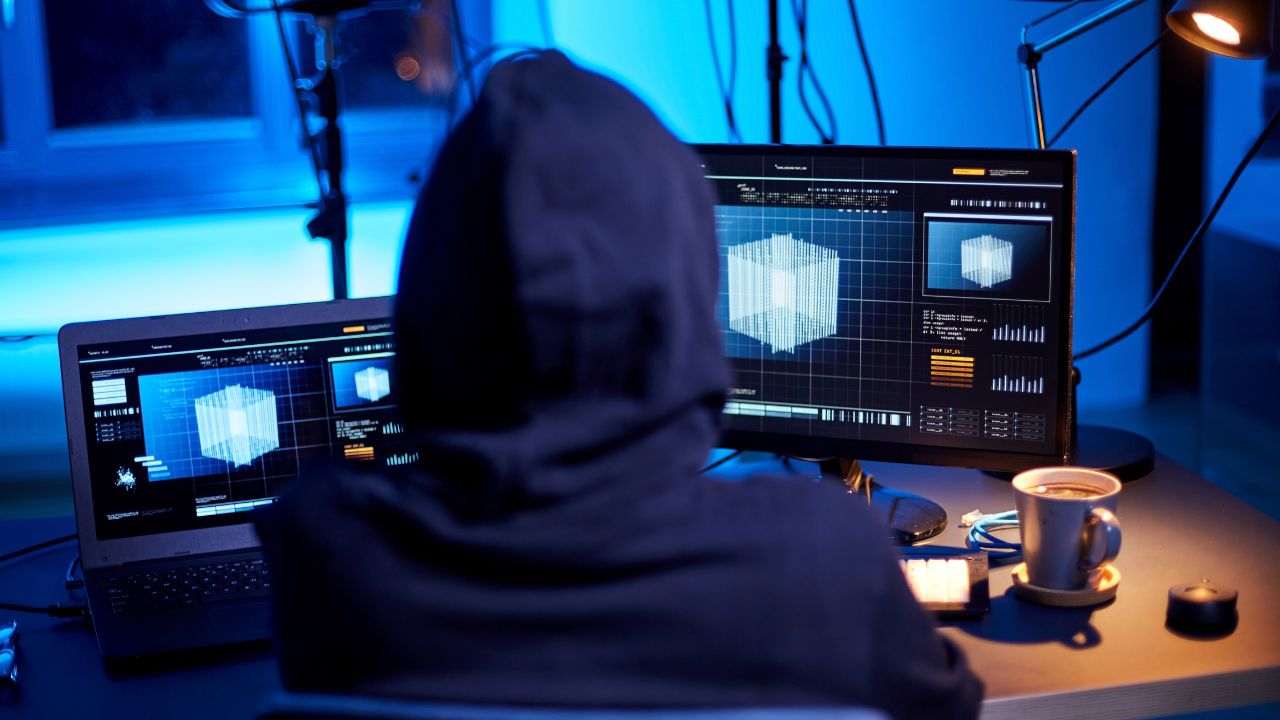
(195, 431)
(899, 301)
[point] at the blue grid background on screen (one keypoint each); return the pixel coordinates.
(867, 362)
(169, 418)
(1030, 271)
(344, 382)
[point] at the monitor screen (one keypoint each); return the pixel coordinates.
(903, 304)
(194, 431)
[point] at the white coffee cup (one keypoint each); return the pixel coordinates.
(1068, 524)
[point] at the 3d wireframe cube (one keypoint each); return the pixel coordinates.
(783, 291)
(986, 260)
(237, 424)
(373, 384)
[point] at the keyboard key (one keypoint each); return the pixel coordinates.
(187, 587)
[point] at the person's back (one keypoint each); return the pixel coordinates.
(561, 366)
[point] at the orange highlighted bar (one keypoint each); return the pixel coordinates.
(353, 329)
(968, 171)
(952, 358)
(952, 374)
(358, 453)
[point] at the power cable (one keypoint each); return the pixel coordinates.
(465, 59)
(800, 9)
(866, 64)
(721, 461)
(544, 17)
(37, 547)
(726, 94)
(1199, 233)
(57, 610)
(1105, 86)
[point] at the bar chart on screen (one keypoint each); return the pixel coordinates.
(1017, 374)
(1018, 323)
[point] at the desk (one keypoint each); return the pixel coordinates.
(62, 675)
(1117, 661)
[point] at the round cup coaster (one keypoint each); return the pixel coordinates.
(1102, 587)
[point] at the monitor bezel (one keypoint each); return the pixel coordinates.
(97, 552)
(820, 447)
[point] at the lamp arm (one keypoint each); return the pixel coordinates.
(1111, 11)
(1029, 54)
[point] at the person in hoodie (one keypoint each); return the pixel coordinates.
(561, 367)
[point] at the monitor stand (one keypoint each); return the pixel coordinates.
(909, 517)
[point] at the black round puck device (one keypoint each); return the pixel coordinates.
(1202, 608)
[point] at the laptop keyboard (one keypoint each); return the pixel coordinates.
(159, 590)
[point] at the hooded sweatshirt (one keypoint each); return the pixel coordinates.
(561, 368)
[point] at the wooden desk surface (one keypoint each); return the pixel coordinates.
(1119, 660)
(1116, 661)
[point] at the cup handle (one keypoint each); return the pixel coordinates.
(1100, 538)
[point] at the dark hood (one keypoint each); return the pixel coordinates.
(556, 306)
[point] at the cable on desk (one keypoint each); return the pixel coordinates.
(72, 582)
(38, 546)
(57, 610)
(721, 461)
(982, 536)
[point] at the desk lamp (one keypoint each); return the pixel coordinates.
(1234, 28)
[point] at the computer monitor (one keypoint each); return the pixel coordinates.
(190, 422)
(901, 304)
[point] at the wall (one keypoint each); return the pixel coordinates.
(1236, 115)
(947, 75)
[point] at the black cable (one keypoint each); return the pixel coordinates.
(317, 166)
(721, 461)
(521, 51)
(1105, 86)
(866, 64)
(800, 10)
(726, 94)
(544, 16)
(463, 56)
(57, 610)
(733, 61)
(38, 546)
(1200, 231)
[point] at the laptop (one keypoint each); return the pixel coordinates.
(180, 427)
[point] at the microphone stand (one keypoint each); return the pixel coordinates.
(330, 220)
(774, 57)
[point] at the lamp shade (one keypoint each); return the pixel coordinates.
(1235, 28)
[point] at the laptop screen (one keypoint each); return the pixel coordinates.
(195, 431)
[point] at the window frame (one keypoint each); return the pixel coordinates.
(182, 165)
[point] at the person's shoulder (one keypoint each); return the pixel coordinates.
(796, 516)
(327, 495)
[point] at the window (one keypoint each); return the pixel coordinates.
(382, 59)
(137, 107)
(141, 60)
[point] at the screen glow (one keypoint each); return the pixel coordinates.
(1217, 28)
